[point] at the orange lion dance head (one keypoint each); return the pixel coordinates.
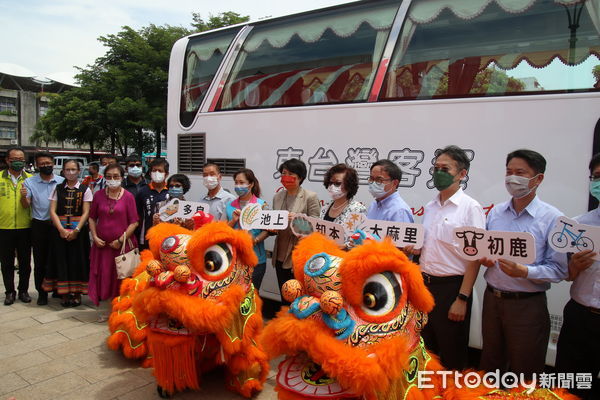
(191, 306)
(352, 331)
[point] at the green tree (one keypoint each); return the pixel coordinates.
(42, 135)
(489, 80)
(73, 116)
(130, 80)
(122, 99)
(596, 73)
(217, 21)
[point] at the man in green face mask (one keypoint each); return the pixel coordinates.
(15, 222)
(448, 277)
(578, 345)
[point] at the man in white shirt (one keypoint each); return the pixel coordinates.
(448, 277)
(217, 197)
(578, 348)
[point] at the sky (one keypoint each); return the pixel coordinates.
(49, 37)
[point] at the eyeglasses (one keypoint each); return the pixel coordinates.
(594, 178)
(134, 165)
(112, 177)
(336, 184)
(379, 179)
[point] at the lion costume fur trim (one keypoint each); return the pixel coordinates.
(364, 371)
(214, 233)
(129, 333)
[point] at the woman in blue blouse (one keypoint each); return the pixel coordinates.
(248, 190)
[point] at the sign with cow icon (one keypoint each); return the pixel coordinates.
(475, 243)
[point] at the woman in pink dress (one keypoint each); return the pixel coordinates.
(113, 213)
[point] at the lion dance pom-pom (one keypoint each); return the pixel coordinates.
(191, 306)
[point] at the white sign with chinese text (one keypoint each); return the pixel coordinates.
(475, 243)
(176, 208)
(569, 236)
(402, 233)
(303, 225)
(254, 217)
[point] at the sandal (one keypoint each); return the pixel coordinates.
(102, 319)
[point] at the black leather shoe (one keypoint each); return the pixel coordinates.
(42, 299)
(24, 297)
(10, 298)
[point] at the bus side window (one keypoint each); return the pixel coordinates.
(491, 49)
(325, 57)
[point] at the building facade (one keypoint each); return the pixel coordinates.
(23, 101)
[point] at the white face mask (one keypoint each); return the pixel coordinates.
(336, 192)
(518, 186)
(157, 177)
(211, 182)
(113, 183)
(377, 190)
(135, 172)
(101, 169)
(71, 175)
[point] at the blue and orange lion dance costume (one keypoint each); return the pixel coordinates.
(353, 329)
(191, 306)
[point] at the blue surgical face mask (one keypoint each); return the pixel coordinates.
(135, 172)
(241, 190)
(377, 190)
(176, 191)
(595, 189)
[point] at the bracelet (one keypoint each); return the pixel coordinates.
(462, 297)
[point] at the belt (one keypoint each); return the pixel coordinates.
(432, 279)
(69, 222)
(42, 221)
(593, 310)
(511, 295)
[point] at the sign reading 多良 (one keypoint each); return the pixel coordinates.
(181, 209)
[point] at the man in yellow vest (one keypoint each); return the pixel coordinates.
(15, 223)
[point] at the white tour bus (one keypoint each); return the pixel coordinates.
(396, 79)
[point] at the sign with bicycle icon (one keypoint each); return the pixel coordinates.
(569, 236)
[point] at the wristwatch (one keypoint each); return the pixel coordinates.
(462, 297)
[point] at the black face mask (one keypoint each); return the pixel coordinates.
(46, 170)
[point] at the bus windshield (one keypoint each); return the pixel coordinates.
(203, 56)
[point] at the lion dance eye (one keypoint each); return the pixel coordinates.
(217, 258)
(381, 294)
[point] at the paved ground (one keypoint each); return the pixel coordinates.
(51, 352)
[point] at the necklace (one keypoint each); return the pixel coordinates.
(112, 202)
(335, 208)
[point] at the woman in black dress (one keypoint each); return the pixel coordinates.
(69, 259)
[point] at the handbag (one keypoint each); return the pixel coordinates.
(127, 262)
